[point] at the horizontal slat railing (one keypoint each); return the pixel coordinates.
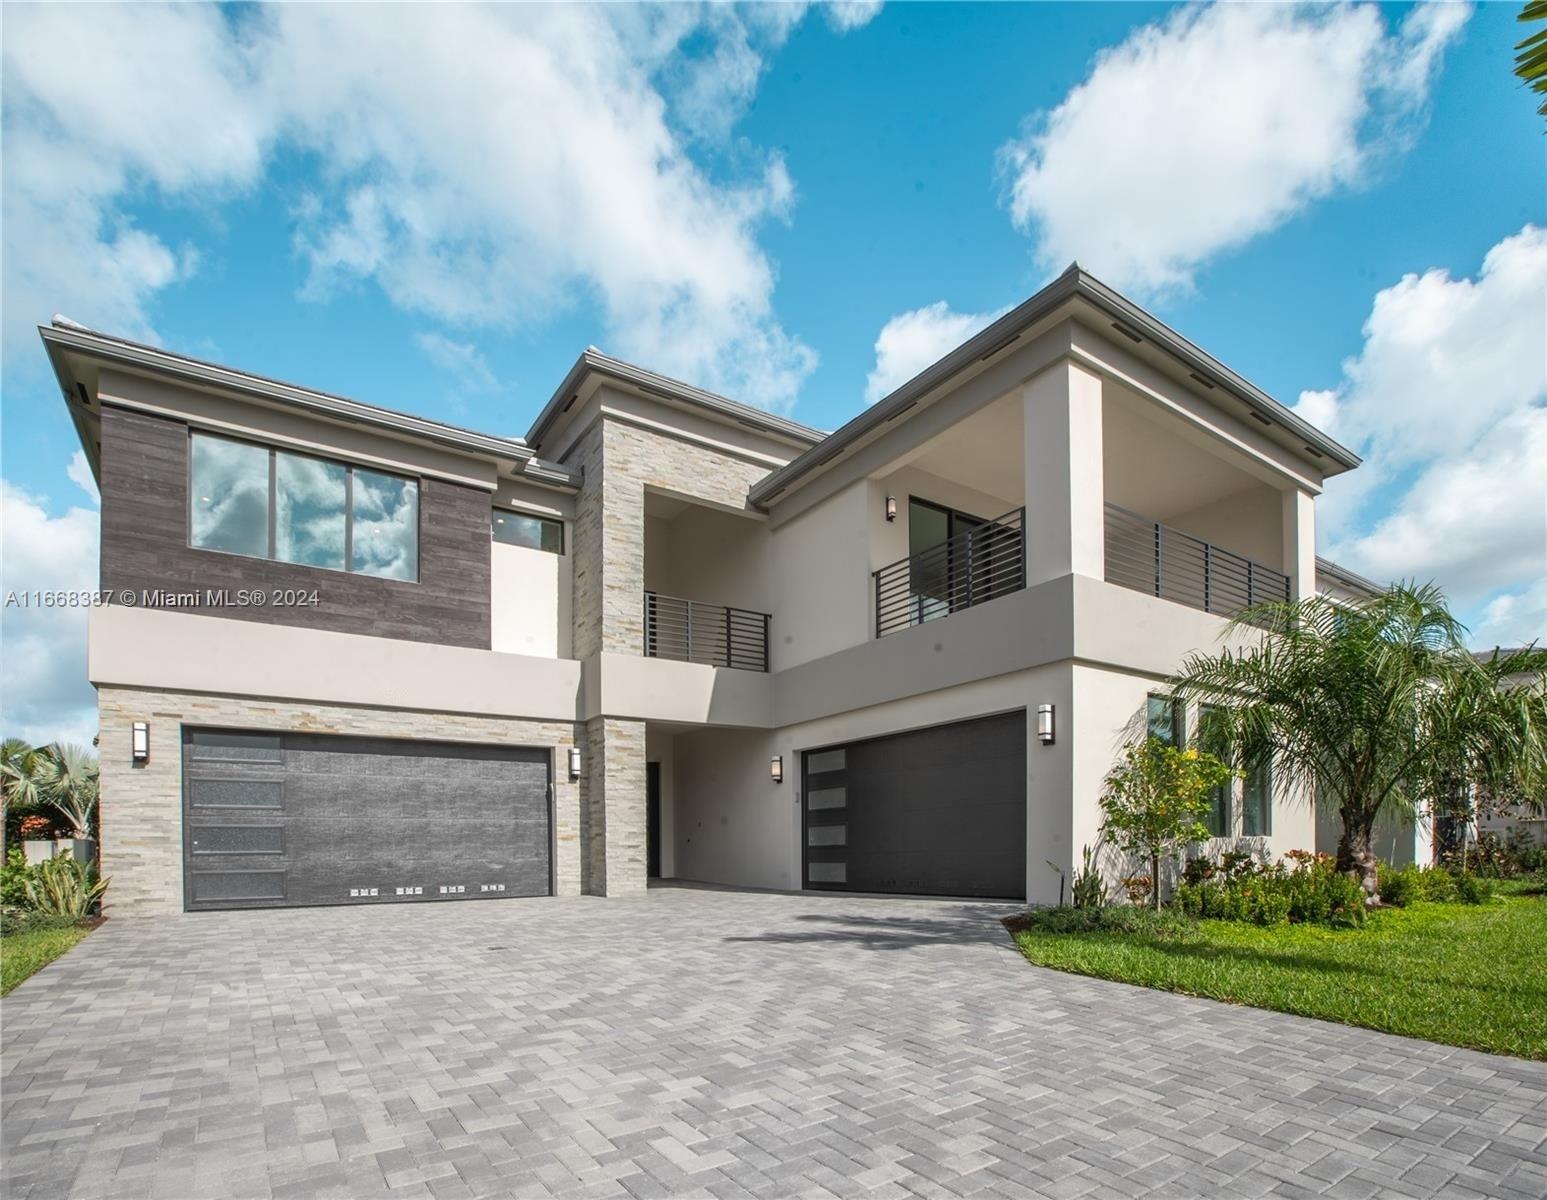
(1150, 557)
(971, 568)
(689, 631)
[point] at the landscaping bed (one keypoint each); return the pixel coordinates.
(1471, 975)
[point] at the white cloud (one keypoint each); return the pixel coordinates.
(847, 15)
(1514, 619)
(1447, 400)
(461, 359)
(79, 472)
(485, 165)
(166, 111)
(1220, 123)
(44, 693)
(911, 341)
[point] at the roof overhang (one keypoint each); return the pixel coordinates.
(1349, 579)
(77, 355)
(1074, 291)
(593, 366)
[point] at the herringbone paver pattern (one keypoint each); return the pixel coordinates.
(695, 1042)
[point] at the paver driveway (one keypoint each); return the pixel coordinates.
(704, 1042)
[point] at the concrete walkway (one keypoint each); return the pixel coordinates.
(698, 1042)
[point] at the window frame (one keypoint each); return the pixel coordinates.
(1264, 766)
(272, 554)
(1222, 796)
(1178, 719)
(535, 516)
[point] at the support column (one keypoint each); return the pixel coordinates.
(613, 808)
(1065, 485)
(1299, 509)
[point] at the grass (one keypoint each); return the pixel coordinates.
(24, 954)
(1464, 975)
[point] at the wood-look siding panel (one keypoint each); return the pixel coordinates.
(145, 548)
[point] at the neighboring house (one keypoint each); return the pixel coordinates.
(666, 633)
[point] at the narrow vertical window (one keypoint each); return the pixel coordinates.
(1166, 719)
(1257, 799)
(1212, 739)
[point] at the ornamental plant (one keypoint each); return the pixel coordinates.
(1155, 801)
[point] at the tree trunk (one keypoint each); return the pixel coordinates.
(1155, 879)
(1354, 854)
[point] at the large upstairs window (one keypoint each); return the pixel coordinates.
(295, 508)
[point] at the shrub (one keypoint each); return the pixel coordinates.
(1400, 887)
(62, 887)
(35, 827)
(1154, 801)
(1239, 889)
(1105, 919)
(1473, 889)
(22, 920)
(13, 879)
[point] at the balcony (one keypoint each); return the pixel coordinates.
(1150, 557)
(971, 568)
(712, 634)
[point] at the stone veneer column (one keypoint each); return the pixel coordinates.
(613, 809)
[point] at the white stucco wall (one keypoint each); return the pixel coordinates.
(530, 596)
(1109, 709)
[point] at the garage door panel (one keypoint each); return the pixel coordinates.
(361, 820)
(934, 811)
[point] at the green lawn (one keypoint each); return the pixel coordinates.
(1460, 974)
(21, 954)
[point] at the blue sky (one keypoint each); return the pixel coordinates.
(799, 207)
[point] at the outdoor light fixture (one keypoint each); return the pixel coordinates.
(1045, 724)
(139, 744)
(891, 508)
(776, 768)
(574, 763)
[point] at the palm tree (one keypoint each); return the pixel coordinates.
(1531, 52)
(68, 780)
(18, 773)
(1376, 708)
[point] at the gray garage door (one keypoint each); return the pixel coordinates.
(939, 812)
(276, 820)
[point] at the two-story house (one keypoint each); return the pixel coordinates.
(359, 657)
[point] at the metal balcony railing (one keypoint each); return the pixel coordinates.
(1150, 557)
(689, 631)
(975, 566)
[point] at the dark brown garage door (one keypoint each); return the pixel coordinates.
(935, 812)
(276, 820)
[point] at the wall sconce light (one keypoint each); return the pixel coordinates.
(776, 768)
(891, 508)
(574, 763)
(139, 742)
(1045, 724)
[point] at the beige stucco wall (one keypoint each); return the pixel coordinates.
(142, 807)
(177, 651)
(530, 601)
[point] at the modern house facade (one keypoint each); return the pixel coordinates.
(666, 634)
